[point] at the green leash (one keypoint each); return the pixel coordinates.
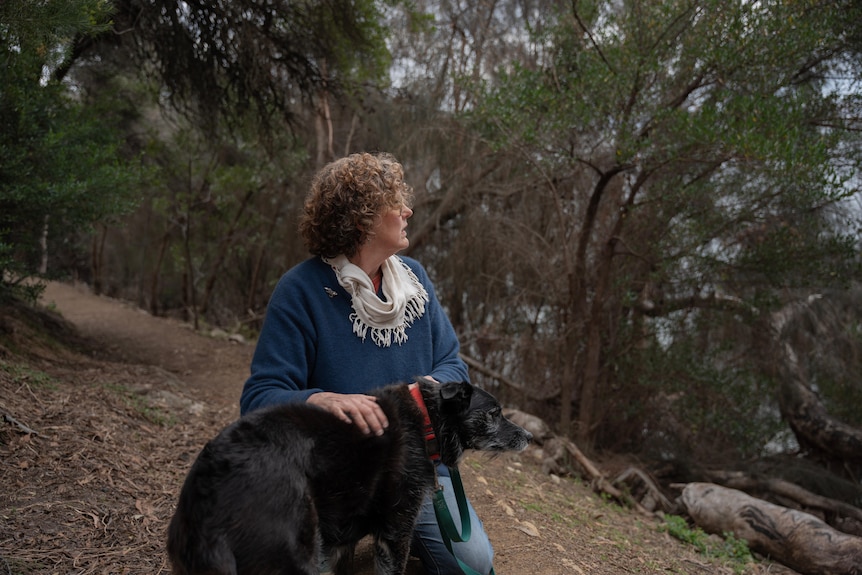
(447, 524)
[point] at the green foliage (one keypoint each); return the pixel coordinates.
(231, 62)
(60, 164)
(692, 156)
(370, 62)
(139, 404)
(731, 549)
(49, 26)
(22, 375)
(695, 398)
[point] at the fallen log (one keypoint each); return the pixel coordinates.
(793, 493)
(796, 539)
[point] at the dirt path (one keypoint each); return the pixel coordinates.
(93, 492)
(213, 369)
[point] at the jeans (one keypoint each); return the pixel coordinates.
(428, 542)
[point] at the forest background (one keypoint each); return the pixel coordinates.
(642, 216)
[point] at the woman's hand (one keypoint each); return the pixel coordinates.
(361, 410)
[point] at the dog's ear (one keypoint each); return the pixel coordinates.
(457, 393)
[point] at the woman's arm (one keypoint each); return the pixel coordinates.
(284, 353)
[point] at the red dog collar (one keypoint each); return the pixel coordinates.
(431, 443)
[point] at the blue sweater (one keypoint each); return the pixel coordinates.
(307, 343)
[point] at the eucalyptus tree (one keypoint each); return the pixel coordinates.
(675, 171)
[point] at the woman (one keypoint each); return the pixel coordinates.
(355, 317)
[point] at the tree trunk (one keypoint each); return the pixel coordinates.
(157, 274)
(587, 419)
(97, 261)
(613, 224)
(43, 245)
(569, 382)
(582, 311)
(223, 249)
(190, 304)
(796, 539)
(323, 125)
(808, 418)
(257, 270)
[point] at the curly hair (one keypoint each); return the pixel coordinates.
(346, 199)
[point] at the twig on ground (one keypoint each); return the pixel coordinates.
(9, 419)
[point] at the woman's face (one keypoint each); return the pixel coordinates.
(390, 232)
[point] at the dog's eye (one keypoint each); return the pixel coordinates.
(495, 412)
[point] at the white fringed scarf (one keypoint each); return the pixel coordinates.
(388, 320)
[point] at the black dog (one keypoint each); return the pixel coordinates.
(285, 486)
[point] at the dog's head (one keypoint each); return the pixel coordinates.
(471, 418)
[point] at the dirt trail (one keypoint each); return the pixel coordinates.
(213, 369)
